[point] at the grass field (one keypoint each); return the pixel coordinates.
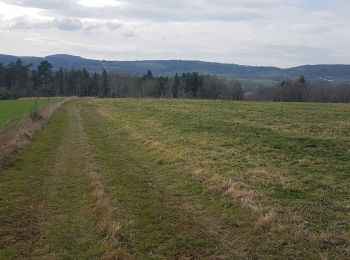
(181, 179)
(11, 110)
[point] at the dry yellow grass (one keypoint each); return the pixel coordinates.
(175, 179)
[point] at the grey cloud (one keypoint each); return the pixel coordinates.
(292, 54)
(269, 32)
(157, 10)
(170, 11)
(23, 23)
(67, 24)
(63, 23)
(43, 4)
(129, 34)
(114, 25)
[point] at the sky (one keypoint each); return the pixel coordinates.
(282, 33)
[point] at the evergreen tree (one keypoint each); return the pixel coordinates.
(60, 82)
(85, 80)
(302, 79)
(195, 83)
(2, 75)
(94, 86)
(149, 74)
(105, 85)
(44, 77)
(17, 75)
(175, 90)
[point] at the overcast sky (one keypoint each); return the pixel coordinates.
(281, 33)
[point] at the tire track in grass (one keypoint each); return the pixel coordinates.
(65, 217)
(102, 227)
(169, 215)
(21, 191)
(291, 224)
(104, 208)
(51, 198)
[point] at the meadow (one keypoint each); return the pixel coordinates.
(12, 110)
(177, 179)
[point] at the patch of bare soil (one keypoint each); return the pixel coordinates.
(20, 133)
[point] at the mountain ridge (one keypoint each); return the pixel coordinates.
(170, 67)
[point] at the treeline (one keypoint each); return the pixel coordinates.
(302, 90)
(187, 85)
(18, 80)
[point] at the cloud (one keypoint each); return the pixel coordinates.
(258, 32)
(23, 23)
(43, 4)
(67, 24)
(62, 23)
(129, 34)
(114, 25)
(156, 10)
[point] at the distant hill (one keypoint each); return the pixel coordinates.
(170, 67)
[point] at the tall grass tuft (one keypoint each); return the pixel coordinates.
(34, 113)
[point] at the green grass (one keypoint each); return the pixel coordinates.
(181, 178)
(12, 110)
(288, 163)
(165, 213)
(46, 207)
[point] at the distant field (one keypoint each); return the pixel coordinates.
(11, 110)
(181, 179)
(249, 84)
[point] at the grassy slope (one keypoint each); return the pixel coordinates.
(166, 179)
(287, 163)
(11, 110)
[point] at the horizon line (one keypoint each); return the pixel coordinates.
(184, 60)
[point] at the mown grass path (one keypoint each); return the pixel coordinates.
(134, 180)
(46, 205)
(55, 199)
(164, 213)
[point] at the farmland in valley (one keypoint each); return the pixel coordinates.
(145, 178)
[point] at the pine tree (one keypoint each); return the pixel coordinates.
(94, 86)
(60, 82)
(17, 75)
(44, 77)
(149, 74)
(105, 84)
